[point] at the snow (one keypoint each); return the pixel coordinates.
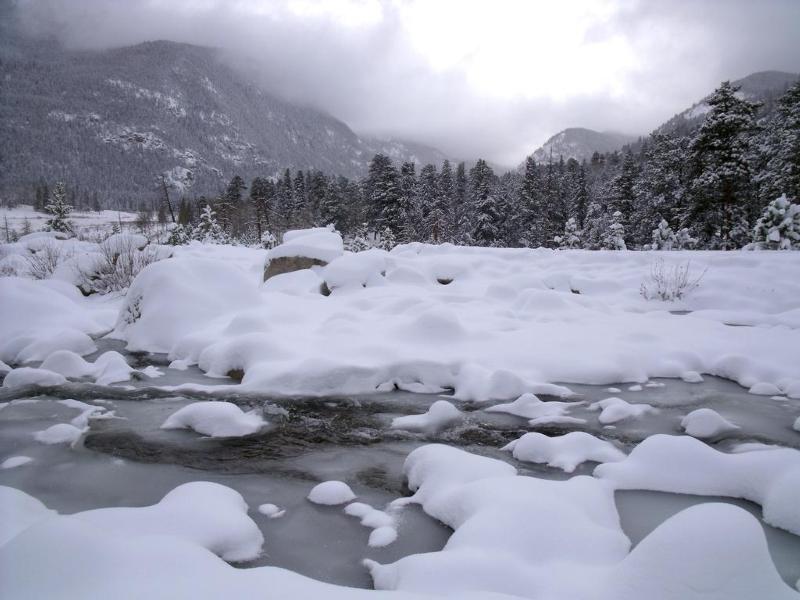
(382, 536)
(440, 415)
(18, 511)
(529, 406)
(682, 464)
(273, 511)
(763, 388)
(13, 462)
(613, 410)
(691, 377)
(705, 423)
(215, 419)
(30, 376)
(110, 367)
(319, 243)
(60, 433)
(565, 452)
(796, 425)
(331, 493)
(384, 531)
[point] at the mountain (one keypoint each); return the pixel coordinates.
(764, 87)
(580, 144)
(111, 121)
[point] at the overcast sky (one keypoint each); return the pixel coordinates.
(493, 78)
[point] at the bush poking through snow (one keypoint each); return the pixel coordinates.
(43, 262)
(120, 260)
(670, 283)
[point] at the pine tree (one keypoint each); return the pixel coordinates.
(460, 224)
(663, 238)
(433, 206)
(410, 212)
(381, 191)
(614, 238)
(179, 235)
(208, 229)
(60, 210)
(720, 172)
(486, 228)
(782, 148)
(623, 198)
(300, 215)
(779, 226)
(571, 238)
(532, 215)
(262, 194)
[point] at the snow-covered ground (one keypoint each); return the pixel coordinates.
(566, 392)
(84, 221)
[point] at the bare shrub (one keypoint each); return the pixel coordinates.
(43, 262)
(115, 266)
(670, 283)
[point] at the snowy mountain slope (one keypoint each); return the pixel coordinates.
(580, 144)
(113, 120)
(765, 87)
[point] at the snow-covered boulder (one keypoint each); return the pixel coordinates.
(705, 423)
(565, 451)
(331, 493)
(357, 270)
(440, 415)
(215, 419)
(303, 249)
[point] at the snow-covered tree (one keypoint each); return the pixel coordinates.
(780, 149)
(779, 226)
(614, 238)
(408, 209)
(59, 209)
(571, 238)
(268, 240)
(209, 230)
(684, 240)
(486, 225)
(663, 237)
(385, 239)
(179, 235)
(381, 191)
(718, 155)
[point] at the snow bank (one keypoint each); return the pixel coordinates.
(110, 367)
(331, 493)
(18, 511)
(440, 415)
(564, 452)
(29, 376)
(215, 419)
(40, 317)
(684, 465)
(614, 410)
(705, 423)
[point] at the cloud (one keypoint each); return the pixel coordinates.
(492, 79)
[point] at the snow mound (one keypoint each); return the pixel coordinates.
(110, 367)
(529, 406)
(705, 423)
(796, 425)
(440, 415)
(215, 419)
(692, 377)
(273, 511)
(613, 410)
(383, 527)
(358, 270)
(331, 493)
(763, 388)
(319, 243)
(684, 465)
(207, 514)
(15, 461)
(30, 376)
(60, 433)
(564, 452)
(18, 511)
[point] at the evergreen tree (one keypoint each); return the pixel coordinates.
(262, 194)
(779, 226)
(660, 189)
(433, 206)
(530, 207)
(300, 215)
(461, 210)
(623, 197)
(720, 171)
(614, 238)
(447, 187)
(208, 229)
(408, 204)
(382, 194)
(782, 148)
(663, 238)
(571, 238)
(179, 235)
(487, 218)
(59, 209)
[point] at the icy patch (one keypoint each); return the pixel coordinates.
(705, 423)
(30, 376)
(331, 493)
(215, 419)
(615, 409)
(15, 461)
(565, 452)
(440, 415)
(684, 465)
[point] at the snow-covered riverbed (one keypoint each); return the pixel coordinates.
(529, 368)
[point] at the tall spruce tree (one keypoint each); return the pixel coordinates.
(487, 217)
(720, 172)
(59, 210)
(382, 193)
